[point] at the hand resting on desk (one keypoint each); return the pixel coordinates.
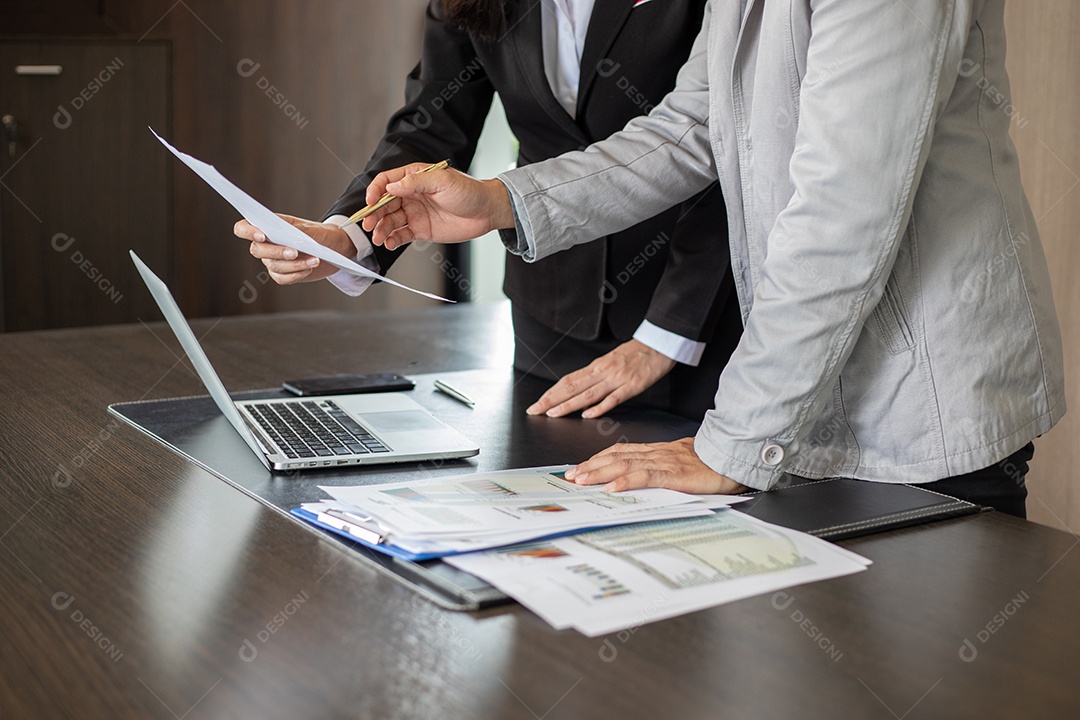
(606, 382)
(672, 465)
(285, 265)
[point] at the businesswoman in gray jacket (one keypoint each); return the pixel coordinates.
(899, 319)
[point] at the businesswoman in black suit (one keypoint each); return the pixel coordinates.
(649, 313)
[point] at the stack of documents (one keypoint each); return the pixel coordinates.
(443, 516)
(604, 581)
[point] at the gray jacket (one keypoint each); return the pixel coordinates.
(899, 320)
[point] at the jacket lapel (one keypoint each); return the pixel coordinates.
(526, 35)
(608, 18)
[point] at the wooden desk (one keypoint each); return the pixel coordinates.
(136, 585)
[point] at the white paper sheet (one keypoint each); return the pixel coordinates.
(499, 501)
(604, 581)
(444, 544)
(484, 510)
(276, 229)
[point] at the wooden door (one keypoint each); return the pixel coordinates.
(82, 180)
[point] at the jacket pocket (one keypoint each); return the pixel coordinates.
(889, 321)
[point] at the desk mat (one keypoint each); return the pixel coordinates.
(193, 427)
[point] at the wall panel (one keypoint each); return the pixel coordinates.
(1044, 66)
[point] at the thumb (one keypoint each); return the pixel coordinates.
(420, 184)
(292, 219)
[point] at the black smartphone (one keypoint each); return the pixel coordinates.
(348, 384)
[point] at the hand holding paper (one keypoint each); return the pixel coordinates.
(279, 231)
(287, 266)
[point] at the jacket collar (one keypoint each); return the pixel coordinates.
(526, 35)
(607, 20)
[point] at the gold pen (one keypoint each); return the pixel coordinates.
(367, 210)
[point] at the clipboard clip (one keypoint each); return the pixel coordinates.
(359, 526)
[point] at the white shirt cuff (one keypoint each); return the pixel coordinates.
(665, 342)
(347, 282)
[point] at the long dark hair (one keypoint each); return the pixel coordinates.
(483, 18)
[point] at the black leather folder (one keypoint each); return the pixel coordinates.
(839, 508)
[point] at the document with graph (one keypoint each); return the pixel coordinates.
(499, 501)
(608, 580)
(483, 510)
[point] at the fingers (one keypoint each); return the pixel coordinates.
(595, 399)
(292, 268)
(393, 231)
(399, 238)
(384, 221)
(558, 400)
(583, 472)
(607, 382)
(631, 468)
(246, 231)
(284, 264)
(377, 188)
(413, 189)
(414, 183)
(672, 465)
(290, 278)
(609, 403)
(269, 251)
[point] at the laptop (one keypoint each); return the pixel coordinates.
(323, 431)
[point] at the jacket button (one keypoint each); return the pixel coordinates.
(772, 455)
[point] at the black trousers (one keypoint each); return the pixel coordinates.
(1000, 486)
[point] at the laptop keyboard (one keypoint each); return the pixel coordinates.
(314, 429)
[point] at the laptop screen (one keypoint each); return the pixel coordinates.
(195, 353)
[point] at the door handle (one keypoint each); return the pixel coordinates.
(11, 133)
(38, 69)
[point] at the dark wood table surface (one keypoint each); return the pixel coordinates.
(133, 584)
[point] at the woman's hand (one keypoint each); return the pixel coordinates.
(609, 380)
(285, 265)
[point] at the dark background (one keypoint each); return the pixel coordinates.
(103, 180)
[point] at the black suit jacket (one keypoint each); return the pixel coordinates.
(671, 269)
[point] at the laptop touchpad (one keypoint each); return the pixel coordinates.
(400, 421)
